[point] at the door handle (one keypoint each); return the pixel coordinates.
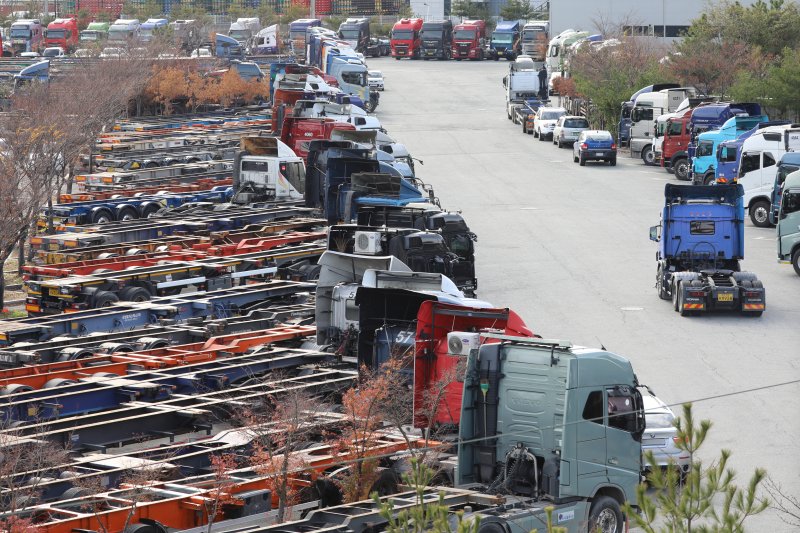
(613, 461)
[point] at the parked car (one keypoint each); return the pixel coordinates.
(595, 145)
(115, 53)
(85, 52)
(568, 128)
(375, 79)
(53, 51)
(660, 435)
(545, 121)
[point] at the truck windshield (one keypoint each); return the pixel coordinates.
(464, 34)
(674, 128)
(350, 34)
(295, 173)
(405, 35)
(531, 35)
(502, 38)
(705, 148)
(239, 35)
(790, 202)
(20, 33)
(297, 34)
(356, 78)
(56, 34)
(145, 34)
(726, 154)
(783, 171)
(431, 34)
(118, 35)
(89, 35)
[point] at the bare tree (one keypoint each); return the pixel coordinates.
(787, 505)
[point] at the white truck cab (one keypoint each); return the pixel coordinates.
(757, 167)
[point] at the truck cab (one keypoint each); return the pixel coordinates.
(297, 35)
(151, 28)
(94, 32)
(554, 423)
(789, 163)
(405, 41)
(469, 39)
(123, 31)
(646, 110)
(558, 48)
(789, 222)
(265, 170)
(505, 41)
(244, 30)
(535, 36)
(437, 39)
(758, 166)
(705, 157)
(355, 31)
(62, 33)
(26, 35)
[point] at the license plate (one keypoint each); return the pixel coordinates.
(725, 297)
(598, 154)
(54, 292)
(53, 246)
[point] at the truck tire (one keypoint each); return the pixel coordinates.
(606, 516)
(681, 167)
(127, 213)
(134, 294)
(648, 156)
(796, 261)
(759, 213)
(102, 216)
(150, 209)
(662, 291)
(104, 299)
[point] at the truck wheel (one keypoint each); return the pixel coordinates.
(662, 291)
(796, 261)
(648, 156)
(681, 167)
(605, 516)
(709, 178)
(759, 214)
(105, 299)
(127, 213)
(102, 216)
(134, 294)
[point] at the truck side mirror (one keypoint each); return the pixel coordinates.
(505, 81)
(655, 233)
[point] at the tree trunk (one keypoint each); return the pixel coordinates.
(21, 253)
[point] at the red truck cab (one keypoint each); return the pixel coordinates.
(468, 40)
(63, 33)
(298, 132)
(405, 41)
(674, 149)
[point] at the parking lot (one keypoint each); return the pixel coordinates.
(567, 247)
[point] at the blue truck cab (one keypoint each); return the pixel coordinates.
(700, 243)
(151, 28)
(705, 158)
(506, 40)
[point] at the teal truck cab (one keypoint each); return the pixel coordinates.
(789, 222)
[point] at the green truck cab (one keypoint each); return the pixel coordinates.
(556, 425)
(788, 226)
(94, 32)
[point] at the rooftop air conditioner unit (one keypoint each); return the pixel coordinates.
(367, 243)
(462, 342)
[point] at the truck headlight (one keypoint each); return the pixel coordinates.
(65, 289)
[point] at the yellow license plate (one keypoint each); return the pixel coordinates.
(53, 246)
(54, 292)
(725, 297)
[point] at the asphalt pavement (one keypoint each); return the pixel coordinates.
(567, 247)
